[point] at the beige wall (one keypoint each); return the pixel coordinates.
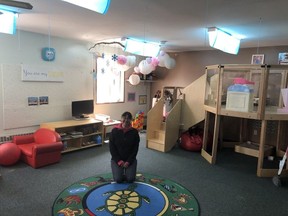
(74, 59)
(191, 65)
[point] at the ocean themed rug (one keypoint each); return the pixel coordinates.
(149, 195)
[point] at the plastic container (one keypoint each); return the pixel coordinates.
(99, 139)
(240, 98)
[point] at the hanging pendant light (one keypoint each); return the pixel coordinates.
(143, 48)
(223, 41)
(13, 5)
(8, 22)
(99, 6)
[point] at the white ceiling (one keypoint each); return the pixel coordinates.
(182, 23)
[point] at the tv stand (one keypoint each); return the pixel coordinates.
(81, 118)
(77, 135)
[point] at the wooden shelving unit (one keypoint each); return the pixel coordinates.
(77, 134)
(268, 82)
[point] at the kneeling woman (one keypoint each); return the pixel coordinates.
(124, 144)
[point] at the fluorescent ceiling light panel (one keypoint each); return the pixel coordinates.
(100, 6)
(8, 22)
(222, 40)
(142, 48)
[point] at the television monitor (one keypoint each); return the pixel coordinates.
(82, 109)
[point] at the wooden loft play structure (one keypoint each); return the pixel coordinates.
(258, 107)
(213, 98)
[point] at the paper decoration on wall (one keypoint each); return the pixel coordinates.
(114, 57)
(125, 62)
(110, 79)
(38, 73)
(48, 54)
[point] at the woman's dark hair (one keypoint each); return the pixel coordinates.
(126, 115)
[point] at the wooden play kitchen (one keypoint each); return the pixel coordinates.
(254, 95)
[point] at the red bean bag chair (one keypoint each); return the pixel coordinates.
(191, 142)
(9, 154)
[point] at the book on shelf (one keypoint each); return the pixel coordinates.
(75, 133)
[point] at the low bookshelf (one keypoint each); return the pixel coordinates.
(78, 134)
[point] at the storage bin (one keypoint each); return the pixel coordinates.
(239, 98)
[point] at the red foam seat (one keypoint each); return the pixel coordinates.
(9, 154)
(41, 148)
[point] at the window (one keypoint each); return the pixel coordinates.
(109, 80)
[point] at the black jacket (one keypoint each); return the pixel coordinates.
(124, 145)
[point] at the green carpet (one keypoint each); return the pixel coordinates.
(149, 195)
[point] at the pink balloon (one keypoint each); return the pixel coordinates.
(121, 59)
(155, 61)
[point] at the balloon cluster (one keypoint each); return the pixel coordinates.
(166, 61)
(126, 61)
(149, 64)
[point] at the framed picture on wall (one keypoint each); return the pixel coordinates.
(131, 96)
(43, 100)
(142, 99)
(257, 59)
(283, 58)
(32, 101)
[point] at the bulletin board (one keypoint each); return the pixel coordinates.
(15, 93)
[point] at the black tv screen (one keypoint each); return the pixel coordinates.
(83, 108)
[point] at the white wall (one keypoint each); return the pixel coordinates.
(74, 59)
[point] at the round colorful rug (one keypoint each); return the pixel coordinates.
(149, 195)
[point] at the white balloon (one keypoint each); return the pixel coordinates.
(170, 64)
(134, 79)
(137, 69)
(131, 61)
(145, 67)
(162, 59)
